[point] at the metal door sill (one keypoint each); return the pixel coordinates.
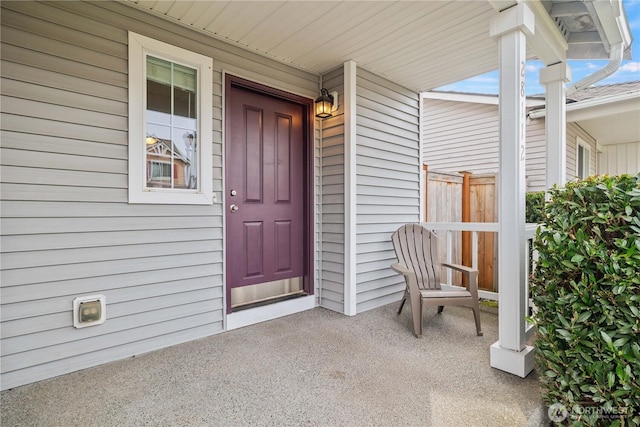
(266, 301)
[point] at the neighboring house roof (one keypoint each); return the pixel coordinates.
(164, 146)
(610, 113)
(600, 91)
(594, 92)
(585, 94)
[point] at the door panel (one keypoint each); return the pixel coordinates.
(252, 250)
(252, 152)
(283, 236)
(265, 181)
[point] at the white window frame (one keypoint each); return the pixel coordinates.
(139, 47)
(585, 146)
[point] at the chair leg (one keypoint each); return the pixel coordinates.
(404, 299)
(440, 308)
(416, 313)
(401, 305)
(476, 315)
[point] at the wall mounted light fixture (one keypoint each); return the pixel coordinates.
(89, 311)
(326, 103)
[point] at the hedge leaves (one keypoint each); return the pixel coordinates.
(586, 288)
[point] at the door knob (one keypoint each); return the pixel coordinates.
(233, 208)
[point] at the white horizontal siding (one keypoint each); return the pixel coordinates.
(67, 229)
(387, 183)
(333, 218)
(464, 136)
(573, 132)
(536, 158)
(460, 136)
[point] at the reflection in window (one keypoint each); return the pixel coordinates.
(171, 139)
(159, 174)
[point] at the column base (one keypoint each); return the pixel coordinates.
(518, 363)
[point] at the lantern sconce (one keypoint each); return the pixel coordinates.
(326, 104)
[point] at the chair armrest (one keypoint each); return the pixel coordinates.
(399, 268)
(458, 267)
(471, 273)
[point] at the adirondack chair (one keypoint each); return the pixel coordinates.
(416, 249)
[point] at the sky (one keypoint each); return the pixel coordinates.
(629, 69)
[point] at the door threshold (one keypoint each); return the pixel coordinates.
(251, 316)
(267, 301)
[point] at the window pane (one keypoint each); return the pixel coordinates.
(172, 148)
(184, 91)
(158, 85)
(184, 103)
(158, 97)
(587, 163)
(185, 151)
(580, 164)
(158, 174)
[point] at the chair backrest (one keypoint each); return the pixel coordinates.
(416, 249)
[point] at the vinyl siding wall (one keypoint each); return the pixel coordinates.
(573, 132)
(387, 183)
(333, 229)
(617, 159)
(460, 136)
(464, 136)
(67, 229)
(536, 151)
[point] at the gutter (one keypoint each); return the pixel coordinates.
(615, 58)
(612, 21)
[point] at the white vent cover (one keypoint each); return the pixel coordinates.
(89, 311)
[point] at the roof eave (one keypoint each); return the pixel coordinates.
(600, 103)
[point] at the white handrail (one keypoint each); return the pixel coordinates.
(462, 226)
(475, 228)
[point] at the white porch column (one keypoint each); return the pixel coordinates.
(350, 279)
(553, 78)
(510, 353)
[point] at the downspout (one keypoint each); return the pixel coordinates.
(615, 58)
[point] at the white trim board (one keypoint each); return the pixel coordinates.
(252, 316)
(476, 98)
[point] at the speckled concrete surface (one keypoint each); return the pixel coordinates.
(316, 368)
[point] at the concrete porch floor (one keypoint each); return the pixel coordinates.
(316, 368)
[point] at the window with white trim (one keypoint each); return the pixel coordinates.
(170, 123)
(583, 159)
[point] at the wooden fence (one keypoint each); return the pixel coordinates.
(463, 197)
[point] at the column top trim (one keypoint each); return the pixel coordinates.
(556, 72)
(517, 18)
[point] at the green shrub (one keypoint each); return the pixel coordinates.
(586, 288)
(535, 207)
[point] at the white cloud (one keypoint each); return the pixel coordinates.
(633, 67)
(484, 79)
(531, 68)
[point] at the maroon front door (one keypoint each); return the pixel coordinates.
(265, 195)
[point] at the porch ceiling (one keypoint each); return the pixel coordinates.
(421, 45)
